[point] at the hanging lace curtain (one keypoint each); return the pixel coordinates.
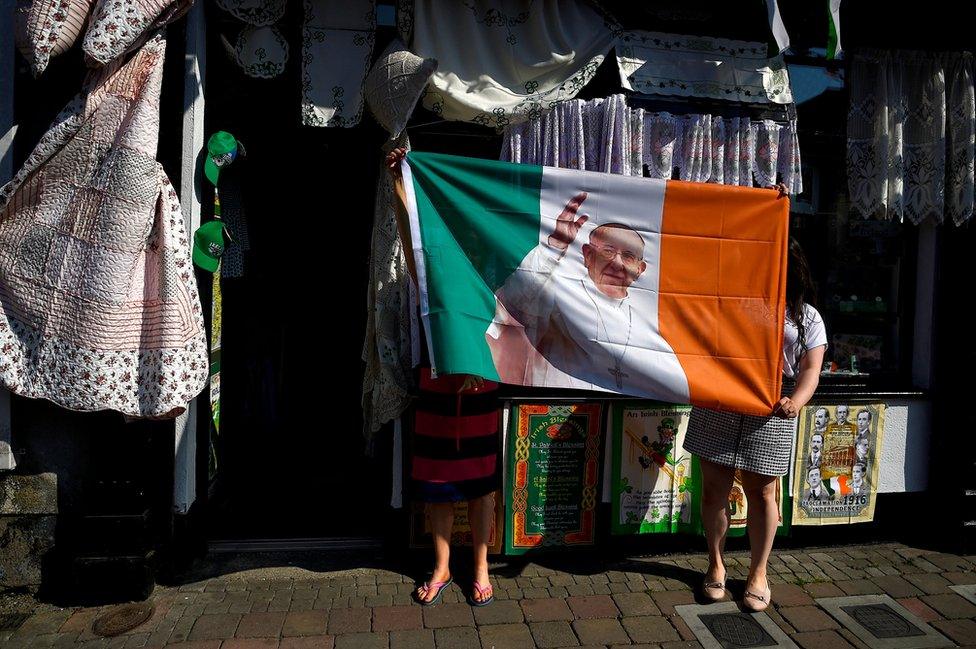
(606, 135)
(391, 347)
(910, 135)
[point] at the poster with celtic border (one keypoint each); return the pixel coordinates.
(553, 476)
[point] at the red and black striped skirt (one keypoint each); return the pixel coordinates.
(455, 440)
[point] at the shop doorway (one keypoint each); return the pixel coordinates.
(292, 461)
(291, 457)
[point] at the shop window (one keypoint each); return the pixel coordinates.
(865, 275)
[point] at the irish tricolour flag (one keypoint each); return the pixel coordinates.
(568, 279)
(839, 485)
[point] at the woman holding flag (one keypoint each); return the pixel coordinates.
(758, 446)
(454, 458)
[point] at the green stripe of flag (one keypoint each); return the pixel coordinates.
(833, 29)
(478, 219)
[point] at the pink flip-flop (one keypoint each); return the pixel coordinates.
(439, 585)
(481, 590)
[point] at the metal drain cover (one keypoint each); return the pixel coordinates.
(725, 626)
(881, 621)
(734, 630)
(122, 618)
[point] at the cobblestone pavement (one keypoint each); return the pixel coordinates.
(620, 602)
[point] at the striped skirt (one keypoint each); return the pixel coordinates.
(455, 440)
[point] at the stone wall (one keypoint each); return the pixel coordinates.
(28, 514)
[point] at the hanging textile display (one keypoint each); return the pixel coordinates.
(392, 343)
(235, 223)
(259, 13)
(653, 63)
(653, 489)
(835, 477)
(834, 47)
(117, 27)
(776, 25)
(503, 61)
(662, 150)
(391, 347)
(394, 86)
(544, 302)
(216, 333)
(209, 253)
(605, 135)
(961, 138)
(260, 50)
(404, 20)
(552, 477)
(656, 486)
(337, 45)
(99, 302)
(911, 130)
(47, 28)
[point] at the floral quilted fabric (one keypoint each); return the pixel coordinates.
(119, 26)
(99, 307)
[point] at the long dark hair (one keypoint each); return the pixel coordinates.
(800, 290)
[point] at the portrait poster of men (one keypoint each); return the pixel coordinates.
(653, 485)
(835, 476)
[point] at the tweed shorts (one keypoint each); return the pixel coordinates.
(762, 445)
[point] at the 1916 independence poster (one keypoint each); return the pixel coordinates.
(836, 470)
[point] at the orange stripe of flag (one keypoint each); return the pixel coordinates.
(722, 292)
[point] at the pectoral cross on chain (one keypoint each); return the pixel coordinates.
(619, 375)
